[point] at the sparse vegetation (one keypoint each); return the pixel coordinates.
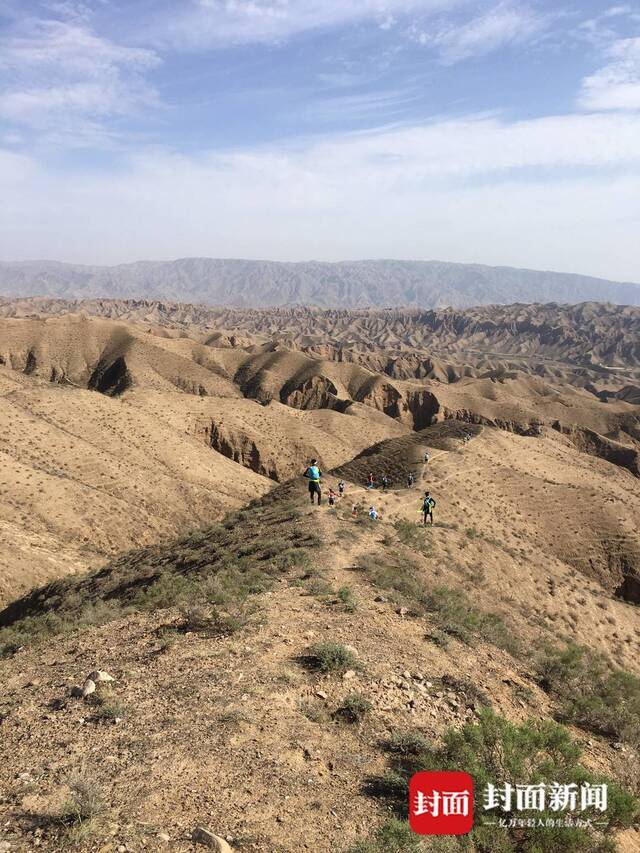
(108, 705)
(591, 693)
(214, 621)
(458, 618)
(347, 599)
(394, 836)
(454, 614)
(407, 743)
(354, 708)
(332, 657)
(221, 565)
(497, 751)
(85, 799)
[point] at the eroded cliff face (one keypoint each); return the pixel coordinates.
(241, 448)
(417, 408)
(524, 426)
(317, 392)
(586, 440)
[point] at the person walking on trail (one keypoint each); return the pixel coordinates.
(314, 475)
(355, 509)
(385, 482)
(370, 480)
(428, 504)
(332, 498)
(373, 514)
(410, 479)
(426, 456)
(341, 486)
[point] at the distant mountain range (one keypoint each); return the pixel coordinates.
(347, 284)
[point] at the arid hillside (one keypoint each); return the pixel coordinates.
(272, 672)
(278, 675)
(148, 421)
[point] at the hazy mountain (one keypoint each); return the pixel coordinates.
(348, 284)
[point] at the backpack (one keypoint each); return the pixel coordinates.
(428, 504)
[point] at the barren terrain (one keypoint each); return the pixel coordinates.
(155, 526)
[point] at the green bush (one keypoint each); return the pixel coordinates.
(591, 693)
(109, 706)
(332, 657)
(497, 751)
(407, 743)
(347, 599)
(354, 708)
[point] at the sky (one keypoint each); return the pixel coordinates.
(491, 131)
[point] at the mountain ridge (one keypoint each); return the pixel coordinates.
(342, 284)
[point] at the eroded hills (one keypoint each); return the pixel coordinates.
(151, 461)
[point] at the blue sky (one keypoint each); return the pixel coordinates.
(496, 131)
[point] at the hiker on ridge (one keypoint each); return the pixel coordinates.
(341, 486)
(428, 504)
(313, 474)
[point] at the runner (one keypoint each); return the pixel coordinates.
(373, 514)
(313, 474)
(428, 504)
(410, 479)
(341, 486)
(385, 482)
(332, 497)
(370, 480)
(426, 456)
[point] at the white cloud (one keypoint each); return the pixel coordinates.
(561, 192)
(502, 24)
(59, 75)
(616, 86)
(208, 23)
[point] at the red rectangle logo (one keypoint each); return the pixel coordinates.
(441, 803)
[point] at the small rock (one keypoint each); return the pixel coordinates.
(406, 674)
(353, 650)
(321, 694)
(25, 777)
(100, 676)
(402, 611)
(350, 673)
(619, 746)
(5, 846)
(88, 688)
(209, 839)
(380, 599)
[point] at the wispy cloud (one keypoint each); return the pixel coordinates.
(60, 76)
(501, 24)
(226, 22)
(616, 86)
